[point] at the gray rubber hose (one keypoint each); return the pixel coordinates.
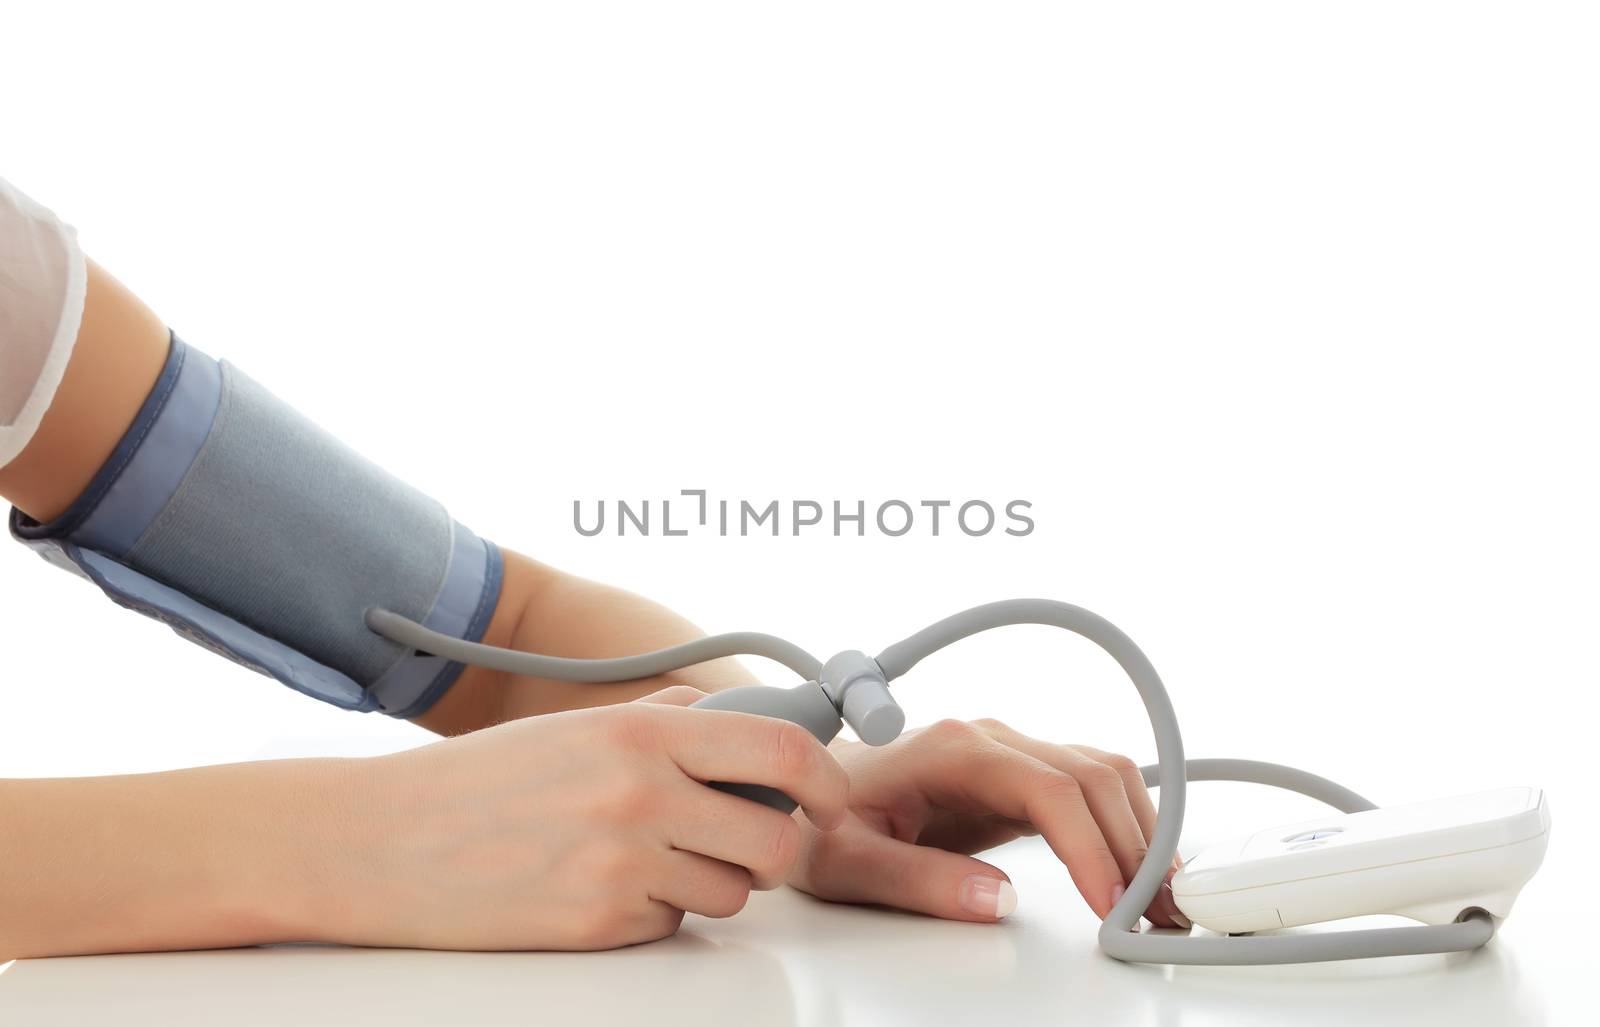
(623, 668)
(1119, 934)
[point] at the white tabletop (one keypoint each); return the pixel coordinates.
(788, 959)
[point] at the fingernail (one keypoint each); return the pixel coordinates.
(982, 895)
(1117, 891)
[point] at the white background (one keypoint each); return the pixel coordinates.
(1282, 316)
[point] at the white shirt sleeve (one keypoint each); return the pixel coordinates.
(42, 282)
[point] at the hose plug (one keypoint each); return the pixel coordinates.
(860, 691)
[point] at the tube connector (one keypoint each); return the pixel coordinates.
(859, 688)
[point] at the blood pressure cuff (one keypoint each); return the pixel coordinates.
(252, 532)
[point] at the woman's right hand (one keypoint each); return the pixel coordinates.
(587, 829)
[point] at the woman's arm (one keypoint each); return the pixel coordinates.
(413, 849)
(211, 857)
(583, 830)
(119, 353)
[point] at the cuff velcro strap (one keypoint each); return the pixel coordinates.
(235, 520)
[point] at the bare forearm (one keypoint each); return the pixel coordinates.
(572, 616)
(204, 858)
(119, 352)
(548, 611)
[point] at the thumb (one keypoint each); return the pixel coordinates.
(883, 870)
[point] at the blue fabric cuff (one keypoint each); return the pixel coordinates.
(106, 534)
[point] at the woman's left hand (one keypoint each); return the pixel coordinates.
(921, 806)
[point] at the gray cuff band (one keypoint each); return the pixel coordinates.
(226, 514)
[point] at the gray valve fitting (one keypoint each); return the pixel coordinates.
(858, 687)
(851, 684)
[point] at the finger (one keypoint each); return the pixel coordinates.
(700, 884)
(862, 865)
(1103, 786)
(959, 767)
(1132, 783)
(758, 839)
(721, 745)
(1108, 800)
(1145, 810)
(675, 695)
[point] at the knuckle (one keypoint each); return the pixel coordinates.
(783, 849)
(1099, 777)
(950, 730)
(794, 750)
(1060, 788)
(991, 724)
(1121, 764)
